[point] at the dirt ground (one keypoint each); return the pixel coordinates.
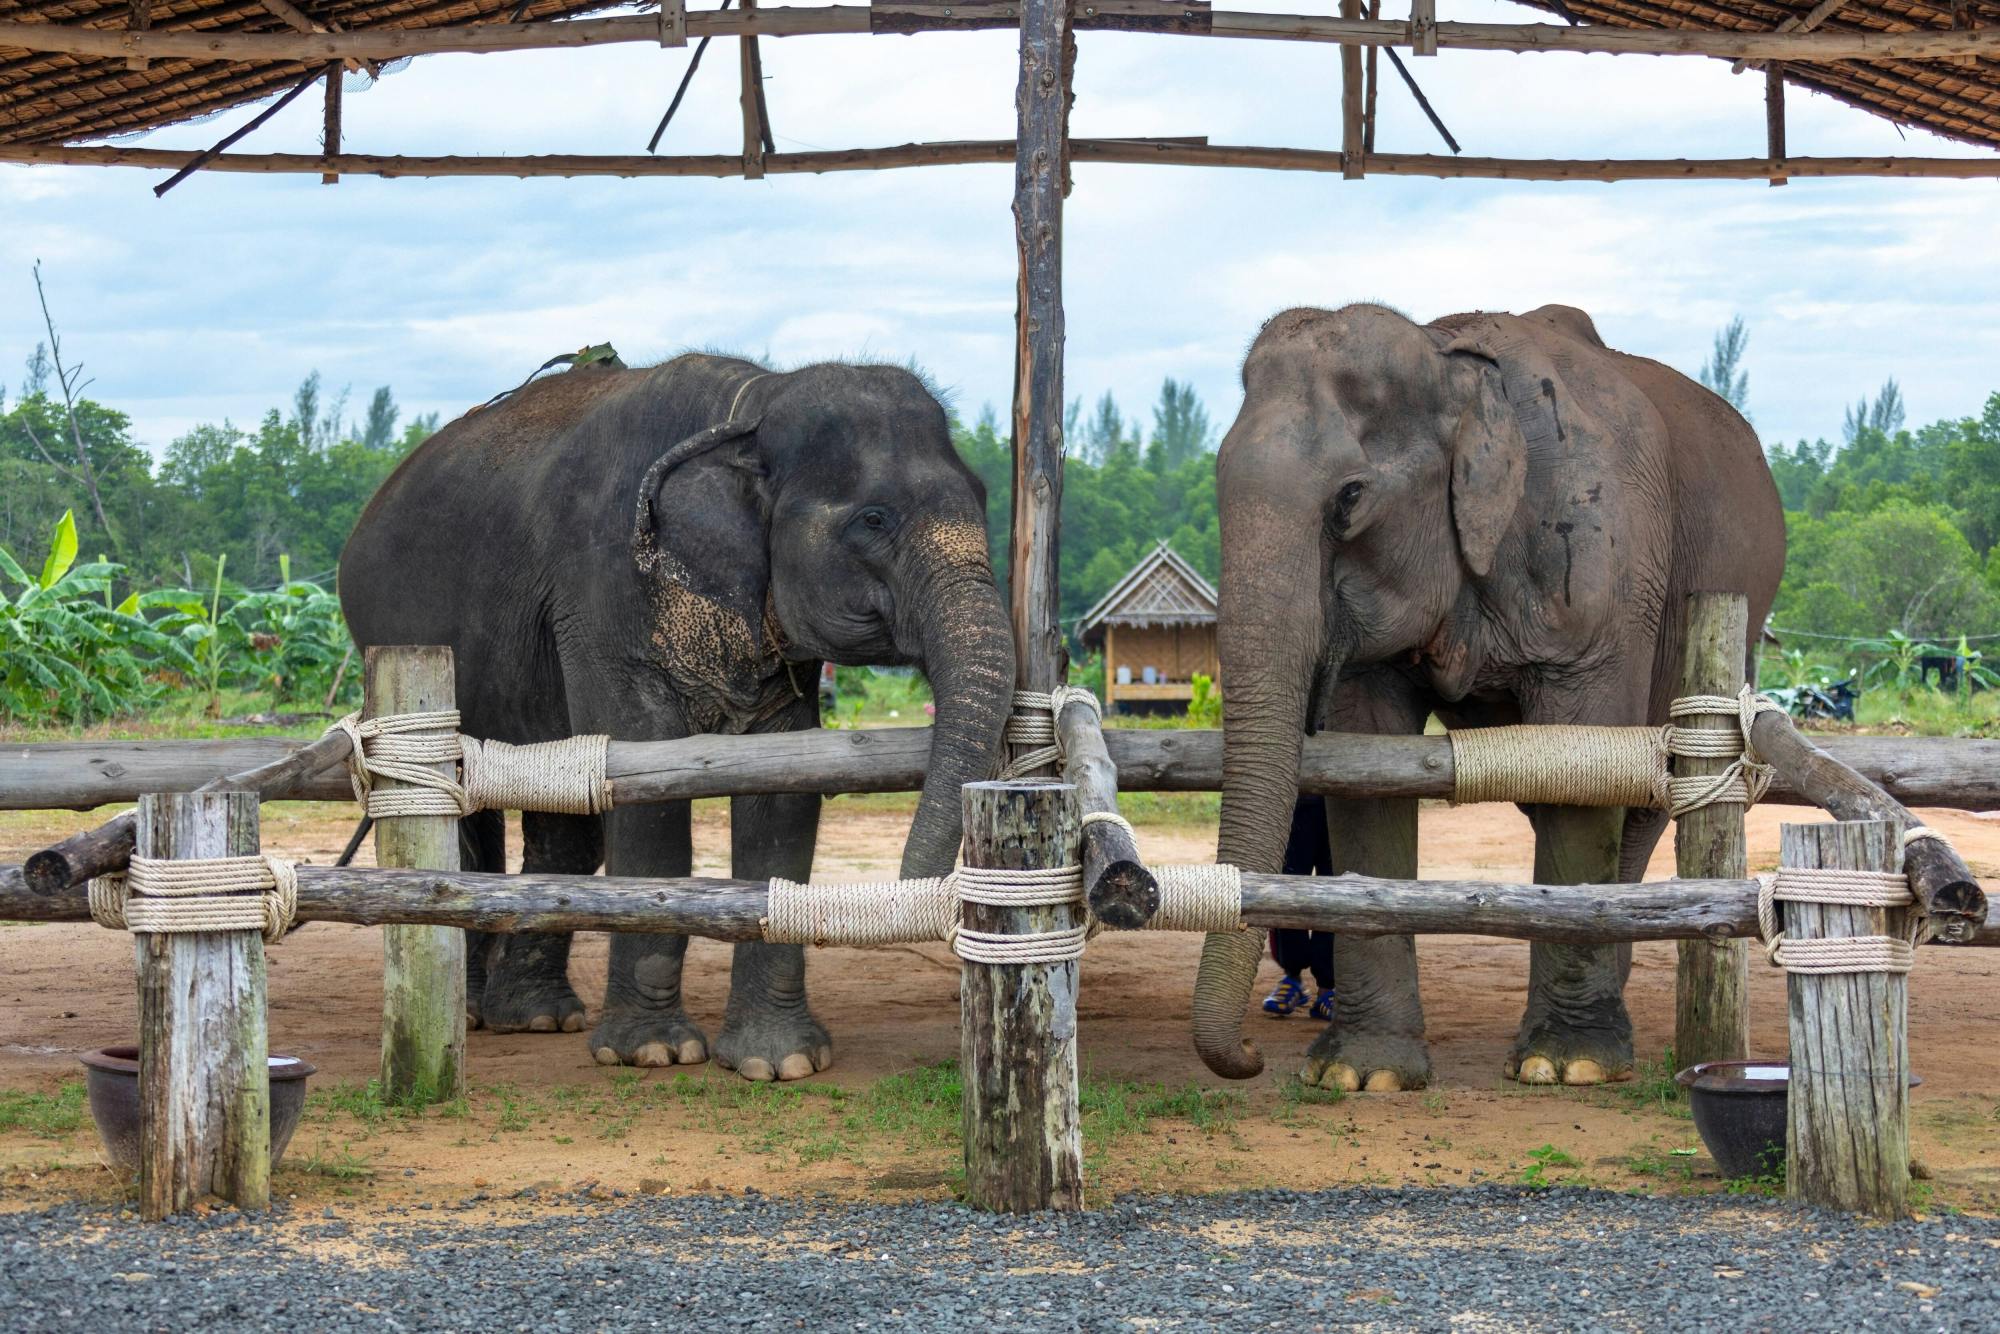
(880, 1124)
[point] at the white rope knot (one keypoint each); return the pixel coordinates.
(176, 897)
(563, 777)
(1744, 781)
(403, 746)
(1032, 725)
(1838, 954)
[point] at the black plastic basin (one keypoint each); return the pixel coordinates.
(1739, 1111)
(112, 1080)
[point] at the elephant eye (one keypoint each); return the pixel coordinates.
(1349, 494)
(875, 517)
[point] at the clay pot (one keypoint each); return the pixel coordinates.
(1739, 1111)
(112, 1081)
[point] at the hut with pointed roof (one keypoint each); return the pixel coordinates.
(1156, 629)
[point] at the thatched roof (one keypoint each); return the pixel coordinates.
(1162, 589)
(55, 99)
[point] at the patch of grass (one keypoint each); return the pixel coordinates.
(343, 1166)
(1652, 1088)
(47, 1115)
(1541, 1161)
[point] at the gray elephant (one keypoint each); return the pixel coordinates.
(1493, 518)
(663, 552)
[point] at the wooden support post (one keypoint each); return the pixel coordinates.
(673, 23)
(1368, 107)
(1023, 1131)
(1117, 885)
(204, 1078)
(756, 125)
(1848, 1135)
(1711, 987)
(1353, 160)
(1774, 116)
(330, 137)
(423, 967)
(140, 20)
(1041, 175)
(1423, 27)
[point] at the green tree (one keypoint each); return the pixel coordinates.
(1180, 427)
(1884, 416)
(1723, 371)
(1903, 566)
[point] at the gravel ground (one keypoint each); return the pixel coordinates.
(1483, 1259)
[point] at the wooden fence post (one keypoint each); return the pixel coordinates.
(1711, 986)
(1847, 1137)
(1023, 1133)
(204, 1080)
(423, 967)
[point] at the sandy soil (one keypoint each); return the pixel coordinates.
(543, 1116)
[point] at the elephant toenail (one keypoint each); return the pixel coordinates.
(691, 1052)
(542, 1023)
(605, 1056)
(1583, 1072)
(653, 1054)
(1344, 1076)
(1383, 1081)
(573, 1022)
(796, 1066)
(1537, 1070)
(822, 1057)
(757, 1068)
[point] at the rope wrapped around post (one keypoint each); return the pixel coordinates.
(1744, 781)
(1032, 725)
(564, 777)
(177, 897)
(1853, 889)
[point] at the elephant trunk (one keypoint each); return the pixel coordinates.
(968, 656)
(1270, 613)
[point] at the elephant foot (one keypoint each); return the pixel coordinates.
(1554, 1053)
(549, 1008)
(648, 1038)
(1367, 1063)
(782, 1045)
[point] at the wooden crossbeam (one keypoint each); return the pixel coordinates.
(304, 22)
(1817, 15)
(1167, 152)
(382, 44)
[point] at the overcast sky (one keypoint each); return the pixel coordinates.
(215, 301)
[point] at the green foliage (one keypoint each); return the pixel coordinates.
(1541, 1160)
(47, 1115)
(1204, 702)
(1723, 371)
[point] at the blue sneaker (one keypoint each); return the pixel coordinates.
(1289, 996)
(1322, 1009)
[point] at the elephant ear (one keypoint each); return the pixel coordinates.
(701, 532)
(1489, 457)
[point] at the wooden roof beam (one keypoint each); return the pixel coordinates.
(1819, 14)
(382, 44)
(1171, 152)
(304, 22)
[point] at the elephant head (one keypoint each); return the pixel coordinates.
(1365, 490)
(871, 541)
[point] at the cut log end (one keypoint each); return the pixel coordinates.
(1125, 896)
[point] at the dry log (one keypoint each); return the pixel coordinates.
(731, 910)
(1017, 1021)
(108, 847)
(381, 44)
(1945, 887)
(1121, 891)
(1170, 151)
(1711, 978)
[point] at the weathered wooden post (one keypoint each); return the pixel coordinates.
(1023, 1132)
(204, 1078)
(423, 967)
(1848, 1134)
(1711, 986)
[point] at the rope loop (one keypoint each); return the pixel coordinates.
(564, 777)
(1839, 954)
(1032, 724)
(175, 897)
(1744, 781)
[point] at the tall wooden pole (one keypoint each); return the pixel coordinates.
(1017, 1021)
(1711, 994)
(1041, 178)
(204, 1081)
(1848, 1106)
(423, 967)
(1774, 116)
(1352, 130)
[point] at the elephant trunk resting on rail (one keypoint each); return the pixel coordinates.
(1493, 518)
(663, 552)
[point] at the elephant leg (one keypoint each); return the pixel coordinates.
(768, 1031)
(527, 972)
(1376, 1039)
(643, 1021)
(482, 846)
(1576, 1029)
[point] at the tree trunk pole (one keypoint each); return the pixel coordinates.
(423, 967)
(1353, 125)
(1848, 1132)
(1041, 179)
(1711, 993)
(1023, 1132)
(204, 1081)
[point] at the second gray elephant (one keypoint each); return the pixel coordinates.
(653, 553)
(1490, 518)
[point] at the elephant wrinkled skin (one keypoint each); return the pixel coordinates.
(1493, 519)
(655, 553)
